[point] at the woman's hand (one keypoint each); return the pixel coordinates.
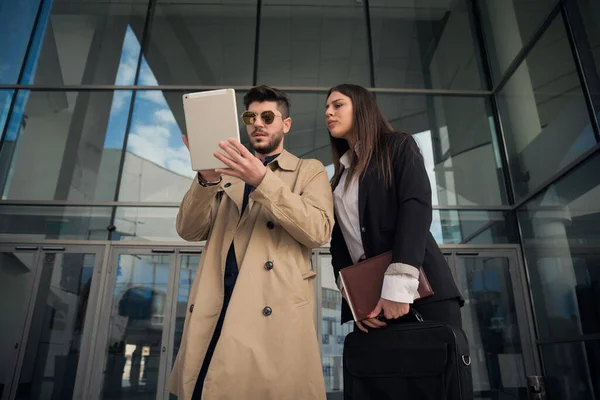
(390, 310)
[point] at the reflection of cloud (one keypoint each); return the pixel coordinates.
(147, 78)
(154, 96)
(119, 99)
(164, 116)
(152, 143)
(129, 58)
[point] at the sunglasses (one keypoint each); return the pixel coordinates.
(249, 117)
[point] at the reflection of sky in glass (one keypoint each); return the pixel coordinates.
(154, 134)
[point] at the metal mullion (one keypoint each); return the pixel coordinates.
(34, 29)
(95, 311)
(144, 45)
(580, 72)
(257, 42)
(559, 175)
(38, 263)
(369, 42)
(525, 50)
(168, 334)
(523, 308)
(95, 382)
(179, 88)
(90, 325)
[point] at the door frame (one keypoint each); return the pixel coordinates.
(40, 249)
(95, 375)
(521, 293)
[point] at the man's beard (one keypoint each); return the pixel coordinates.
(271, 146)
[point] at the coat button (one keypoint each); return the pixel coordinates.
(228, 184)
(269, 265)
(267, 311)
(270, 225)
(362, 229)
(192, 308)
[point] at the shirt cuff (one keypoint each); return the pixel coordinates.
(400, 288)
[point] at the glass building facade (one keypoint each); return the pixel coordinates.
(502, 96)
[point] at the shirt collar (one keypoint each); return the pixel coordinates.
(345, 159)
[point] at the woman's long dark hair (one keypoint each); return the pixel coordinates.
(372, 130)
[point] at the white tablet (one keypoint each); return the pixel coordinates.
(210, 117)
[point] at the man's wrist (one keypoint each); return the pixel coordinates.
(205, 183)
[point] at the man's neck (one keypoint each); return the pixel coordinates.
(263, 157)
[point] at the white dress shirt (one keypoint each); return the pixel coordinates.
(402, 288)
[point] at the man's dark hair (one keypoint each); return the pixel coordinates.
(267, 93)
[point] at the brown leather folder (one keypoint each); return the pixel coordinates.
(363, 283)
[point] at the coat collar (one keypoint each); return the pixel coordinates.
(286, 161)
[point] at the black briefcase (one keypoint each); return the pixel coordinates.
(419, 360)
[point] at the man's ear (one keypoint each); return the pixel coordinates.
(287, 125)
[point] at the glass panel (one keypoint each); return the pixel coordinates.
(78, 136)
(562, 249)
(473, 227)
(201, 44)
(454, 134)
(309, 137)
(54, 222)
(53, 348)
(572, 370)
(490, 322)
(333, 333)
(91, 43)
(508, 26)
(585, 15)
(544, 112)
(429, 45)
(16, 24)
(157, 164)
(16, 279)
(135, 328)
(146, 223)
(6, 97)
(187, 272)
(311, 45)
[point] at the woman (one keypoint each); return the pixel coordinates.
(382, 199)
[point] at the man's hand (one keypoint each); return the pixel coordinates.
(390, 309)
(209, 175)
(244, 165)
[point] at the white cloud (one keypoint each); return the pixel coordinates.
(164, 116)
(119, 99)
(154, 96)
(126, 73)
(152, 143)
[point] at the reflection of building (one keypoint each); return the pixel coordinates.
(502, 96)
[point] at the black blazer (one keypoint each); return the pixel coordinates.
(398, 219)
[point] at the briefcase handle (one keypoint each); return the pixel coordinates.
(416, 314)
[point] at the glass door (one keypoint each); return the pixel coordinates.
(131, 348)
(496, 319)
(49, 290)
(17, 273)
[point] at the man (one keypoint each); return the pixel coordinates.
(261, 218)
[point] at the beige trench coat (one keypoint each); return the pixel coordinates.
(257, 357)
